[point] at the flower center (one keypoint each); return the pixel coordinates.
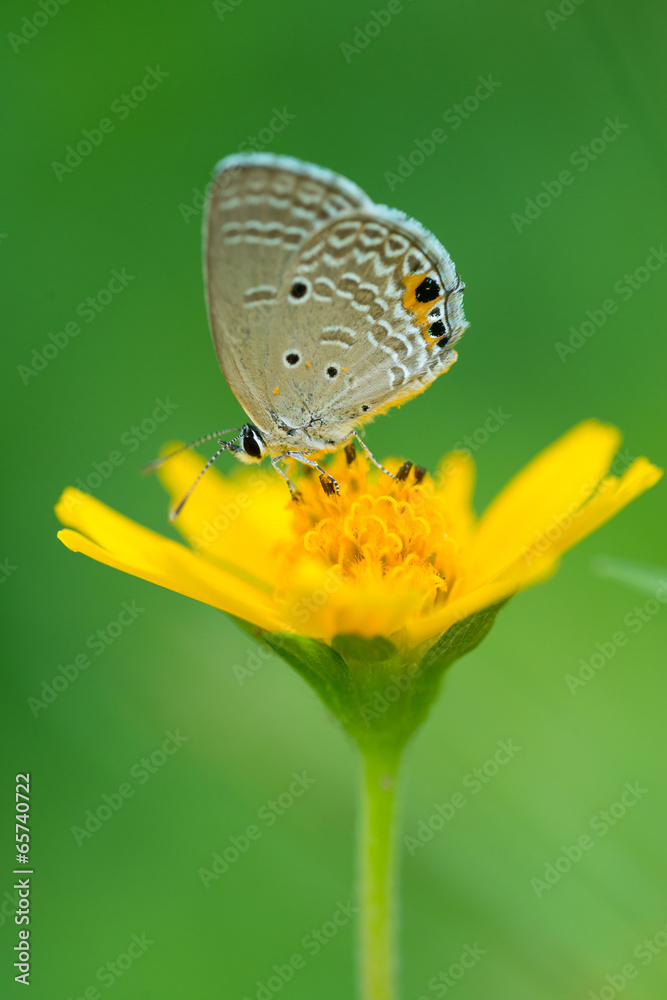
(378, 529)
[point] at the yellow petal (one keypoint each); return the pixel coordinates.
(548, 491)
(240, 520)
(129, 540)
(117, 541)
(612, 496)
(455, 484)
(536, 562)
(438, 622)
(322, 603)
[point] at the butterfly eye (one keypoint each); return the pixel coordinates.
(292, 359)
(253, 442)
(299, 290)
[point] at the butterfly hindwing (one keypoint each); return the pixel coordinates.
(367, 315)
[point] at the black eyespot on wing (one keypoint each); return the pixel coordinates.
(437, 329)
(365, 407)
(298, 289)
(332, 371)
(443, 343)
(427, 291)
(292, 358)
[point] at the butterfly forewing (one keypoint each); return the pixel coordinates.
(261, 212)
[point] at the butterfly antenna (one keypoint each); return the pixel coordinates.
(173, 514)
(156, 463)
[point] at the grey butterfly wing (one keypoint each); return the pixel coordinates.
(377, 322)
(262, 210)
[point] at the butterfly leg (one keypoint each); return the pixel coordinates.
(372, 457)
(329, 484)
(275, 462)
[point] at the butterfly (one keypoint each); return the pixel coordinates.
(325, 308)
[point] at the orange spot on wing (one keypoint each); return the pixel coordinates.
(276, 390)
(419, 310)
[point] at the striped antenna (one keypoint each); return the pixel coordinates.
(156, 463)
(225, 445)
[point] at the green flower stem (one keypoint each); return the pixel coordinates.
(358, 679)
(378, 921)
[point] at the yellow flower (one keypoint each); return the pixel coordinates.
(405, 560)
(370, 595)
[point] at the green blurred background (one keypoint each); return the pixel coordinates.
(559, 76)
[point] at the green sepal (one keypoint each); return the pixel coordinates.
(378, 692)
(316, 662)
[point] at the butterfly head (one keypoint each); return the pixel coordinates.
(253, 445)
